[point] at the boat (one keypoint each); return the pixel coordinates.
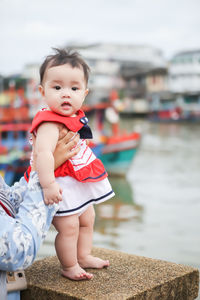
(169, 107)
(118, 149)
(14, 130)
(117, 152)
(14, 151)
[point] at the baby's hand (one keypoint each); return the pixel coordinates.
(52, 193)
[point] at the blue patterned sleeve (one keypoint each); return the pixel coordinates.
(20, 238)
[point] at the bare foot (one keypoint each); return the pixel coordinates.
(93, 262)
(76, 273)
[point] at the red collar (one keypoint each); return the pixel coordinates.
(72, 123)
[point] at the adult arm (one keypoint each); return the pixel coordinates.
(20, 238)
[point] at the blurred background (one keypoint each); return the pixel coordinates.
(143, 107)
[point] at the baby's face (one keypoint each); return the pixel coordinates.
(64, 89)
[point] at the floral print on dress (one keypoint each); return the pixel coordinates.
(37, 214)
(4, 244)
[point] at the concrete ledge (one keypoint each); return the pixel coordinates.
(128, 277)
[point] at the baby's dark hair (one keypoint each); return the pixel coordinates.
(61, 57)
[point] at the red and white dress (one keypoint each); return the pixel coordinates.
(83, 178)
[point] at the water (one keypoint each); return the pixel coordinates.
(156, 211)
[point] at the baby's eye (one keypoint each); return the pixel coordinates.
(57, 87)
(74, 88)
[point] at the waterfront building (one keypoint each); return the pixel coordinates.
(184, 81)
(125, 69)
(184, 72)
(157, 80)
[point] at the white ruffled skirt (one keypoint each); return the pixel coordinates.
(78, 196)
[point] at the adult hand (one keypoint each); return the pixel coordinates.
(66, 147)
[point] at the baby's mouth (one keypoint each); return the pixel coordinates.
(66, 105)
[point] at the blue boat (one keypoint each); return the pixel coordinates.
(14, 151)
(117, 152)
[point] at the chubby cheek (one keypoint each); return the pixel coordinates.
(53, 98)
(80, 101)
(78, 105)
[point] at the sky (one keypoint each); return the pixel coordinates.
(30, 28)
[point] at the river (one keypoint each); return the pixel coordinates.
(156, 210)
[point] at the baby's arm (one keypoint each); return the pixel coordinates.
(46, 140)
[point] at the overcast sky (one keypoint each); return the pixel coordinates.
(29, 28)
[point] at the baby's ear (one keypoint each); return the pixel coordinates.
(41, 90)
(86, 92)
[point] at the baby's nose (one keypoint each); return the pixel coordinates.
(66, 93)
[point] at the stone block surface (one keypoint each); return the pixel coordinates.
(128, 277)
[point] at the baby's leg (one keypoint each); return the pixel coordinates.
(85, 259)
(66, 247)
